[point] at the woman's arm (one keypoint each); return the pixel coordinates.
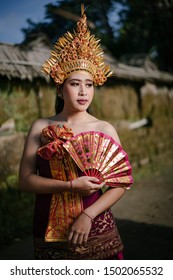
(109, 198)
(80, 230)
(30, 181)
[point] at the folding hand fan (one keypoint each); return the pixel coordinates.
(99, 155)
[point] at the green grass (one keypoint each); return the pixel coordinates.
(16, 212)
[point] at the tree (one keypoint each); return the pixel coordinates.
(62, 16)
(146, 27)
(124, 26)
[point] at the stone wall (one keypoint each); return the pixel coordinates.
(11, 148)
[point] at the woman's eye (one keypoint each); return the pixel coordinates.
(89, 85)
(74, 84)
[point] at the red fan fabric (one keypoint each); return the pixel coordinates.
(99, 155)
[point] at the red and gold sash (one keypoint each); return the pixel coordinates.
(65, 206)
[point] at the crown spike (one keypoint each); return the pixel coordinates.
(82, 9)
(77, 51)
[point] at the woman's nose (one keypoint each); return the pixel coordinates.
(82, 91)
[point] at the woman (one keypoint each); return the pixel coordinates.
(72, 218)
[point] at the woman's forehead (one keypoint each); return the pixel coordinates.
(80, 75)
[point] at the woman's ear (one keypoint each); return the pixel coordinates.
(59, 92)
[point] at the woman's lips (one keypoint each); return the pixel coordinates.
(82, 101)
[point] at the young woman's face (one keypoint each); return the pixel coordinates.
(78, 91)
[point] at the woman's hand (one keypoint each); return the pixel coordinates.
(86, 185)
(80, 230)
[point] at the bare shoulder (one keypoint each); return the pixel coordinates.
(40, 124)
(33, 137)
(36, 128)
(108, 129)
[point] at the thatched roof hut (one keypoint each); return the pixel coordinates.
(139, 74)
(17, 62)
(24, 63)
(20, 66)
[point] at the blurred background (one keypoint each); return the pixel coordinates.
(137, 37)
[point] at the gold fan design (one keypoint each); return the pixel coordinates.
(99, 155)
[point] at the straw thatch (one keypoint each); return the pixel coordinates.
(22, 63)
(25, 64)
(139, 74)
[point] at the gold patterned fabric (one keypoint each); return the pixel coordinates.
(54, 214)
(104, 242)
(65, 206)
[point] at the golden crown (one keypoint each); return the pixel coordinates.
(75, 52)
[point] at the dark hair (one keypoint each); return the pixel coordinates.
(59, 104)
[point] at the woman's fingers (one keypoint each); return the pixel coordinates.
(86, 185)
(74, 238)
(85, 239)
(70, 236)
(79, 231)
(97, 186)
(102, 184)
(92, 188)
(93, 179)
(77, 238)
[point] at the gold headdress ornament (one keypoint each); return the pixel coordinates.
(75, 52)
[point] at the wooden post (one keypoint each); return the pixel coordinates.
(38, 96)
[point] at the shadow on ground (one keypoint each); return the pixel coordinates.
(146, 241)
(142, 242)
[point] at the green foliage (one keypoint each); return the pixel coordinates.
(124, 26)
(62, 16)
(16, 212)
(20, 107)
(12, 181)
(146, 27)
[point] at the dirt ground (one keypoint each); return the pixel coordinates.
(144, 217)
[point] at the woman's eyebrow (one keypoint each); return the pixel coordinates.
(78, 80)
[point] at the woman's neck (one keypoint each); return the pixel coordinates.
(75, 117)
